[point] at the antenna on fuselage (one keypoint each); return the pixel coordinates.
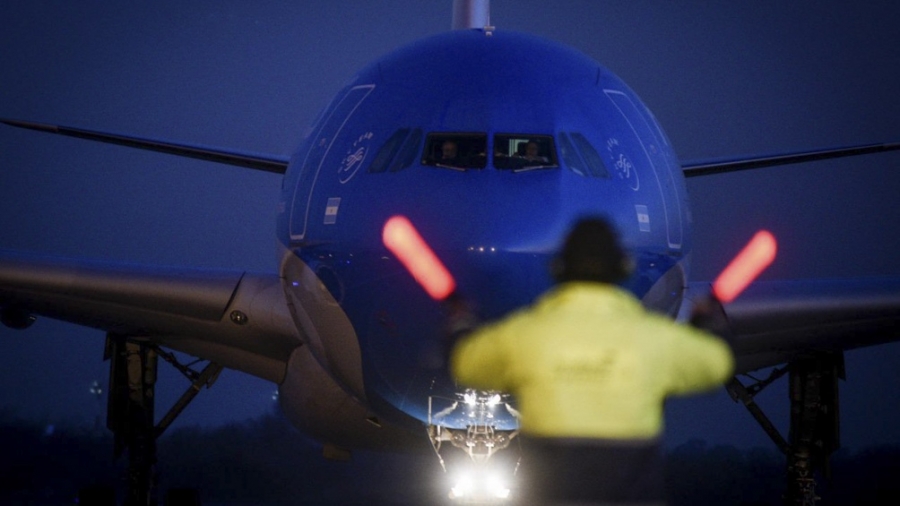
(469, 14)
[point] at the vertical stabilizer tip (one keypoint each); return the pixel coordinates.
(469, 14)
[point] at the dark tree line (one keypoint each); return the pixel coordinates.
(266, 461)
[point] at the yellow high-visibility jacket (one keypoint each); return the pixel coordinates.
(588, 361)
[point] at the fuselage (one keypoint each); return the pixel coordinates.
(439, 131)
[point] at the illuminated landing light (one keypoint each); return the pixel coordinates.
(475, 489)
(496, 488)
(746, 266)
(463, 488)
(494, 400)
(469, 398)
(404, 241)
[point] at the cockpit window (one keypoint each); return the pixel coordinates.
(524, 152)
(398, 152)
(388, 151)
(570, 155)
(408, 151)
(459, 151)
(580, 156)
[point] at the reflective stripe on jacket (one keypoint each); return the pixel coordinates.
(587, 360)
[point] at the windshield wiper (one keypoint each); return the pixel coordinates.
(451, 167)
(533, 167)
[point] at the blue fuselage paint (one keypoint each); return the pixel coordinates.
(495, 229)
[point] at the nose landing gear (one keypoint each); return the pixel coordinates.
(477, 475)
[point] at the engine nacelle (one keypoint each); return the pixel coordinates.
(16, 318)
(319, 406)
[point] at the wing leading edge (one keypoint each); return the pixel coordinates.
(709, 167)
(266, 163)
(239, 320)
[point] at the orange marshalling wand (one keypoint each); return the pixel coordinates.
(401, 237)
(753, 259)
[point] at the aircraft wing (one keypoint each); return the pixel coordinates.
(236, 319)
(773, 322)
(720, 166)
(257, 161)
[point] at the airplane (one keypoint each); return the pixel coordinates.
(329, 275)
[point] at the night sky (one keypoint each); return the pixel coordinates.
(724, 79)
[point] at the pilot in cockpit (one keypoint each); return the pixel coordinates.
(532, 152)
(449, 150)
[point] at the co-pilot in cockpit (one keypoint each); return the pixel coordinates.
(517, 151)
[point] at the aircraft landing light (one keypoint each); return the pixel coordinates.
(477, 488)
(745, 267)
(404, 241)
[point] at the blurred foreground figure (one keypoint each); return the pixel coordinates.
(590, 369)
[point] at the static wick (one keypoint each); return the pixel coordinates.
(745, 267)
(401, 237)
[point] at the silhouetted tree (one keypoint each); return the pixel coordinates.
(267, 461)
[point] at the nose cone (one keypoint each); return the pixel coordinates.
(496, 242)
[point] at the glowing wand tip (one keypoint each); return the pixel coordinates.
(401, 237)
(746, 266)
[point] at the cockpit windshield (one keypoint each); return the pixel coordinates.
(524, 152)
(462, 151)
(458, 151)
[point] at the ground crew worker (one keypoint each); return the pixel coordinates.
(590, 369)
